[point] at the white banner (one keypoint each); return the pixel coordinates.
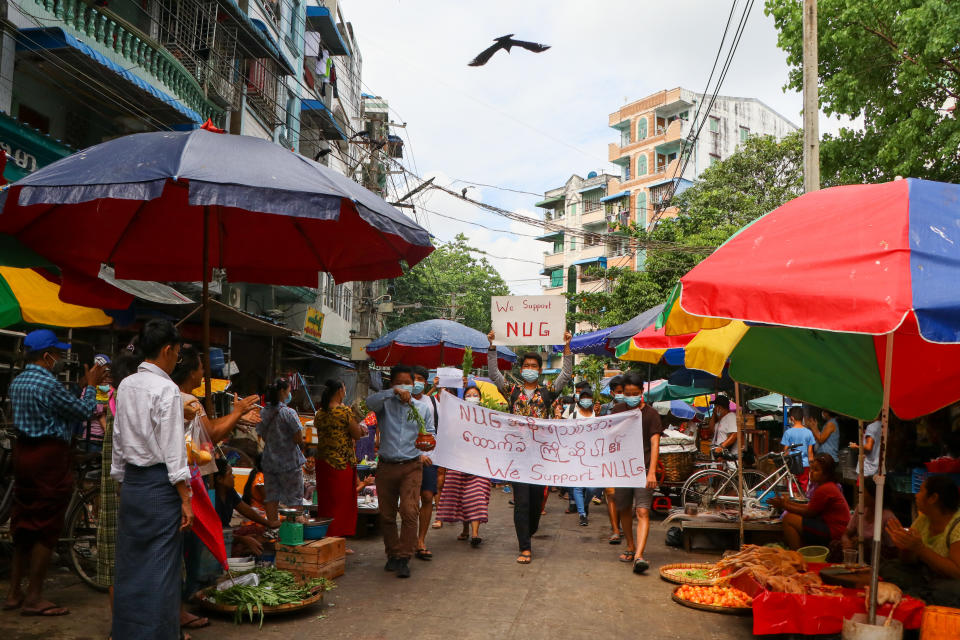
(528, 319)
(588, 452)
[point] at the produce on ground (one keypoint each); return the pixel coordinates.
(691, 574)
(715, 596)
(277, 587)
(774, 568)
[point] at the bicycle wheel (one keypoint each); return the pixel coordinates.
(6, 484)
(705, 487)
(81, 539)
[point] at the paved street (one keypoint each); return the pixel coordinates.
(575, 588)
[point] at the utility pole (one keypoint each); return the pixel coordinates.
(453, 306)
(811, 101)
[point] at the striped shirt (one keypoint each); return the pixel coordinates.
(42, 406)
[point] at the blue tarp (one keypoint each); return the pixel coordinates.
(622, 194)
(49, 38)
(592, 343)
(602, 260)
(276, 50)
(317, 105)
(255, 33)
(320, 19)
(594, 187)
(432, 333)
(634, 325)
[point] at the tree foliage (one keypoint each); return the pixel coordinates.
(729, 195)
(451, 268)
(893, 62)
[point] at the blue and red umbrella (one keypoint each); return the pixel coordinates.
(435, 343)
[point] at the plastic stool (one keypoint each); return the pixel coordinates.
(662, 503)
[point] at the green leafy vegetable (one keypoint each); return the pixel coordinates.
(276, 587)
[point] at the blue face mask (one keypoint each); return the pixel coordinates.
(586, 403)
(405, 387)
(103, 388)
(530, 375)
(286, 401)
(618, 397)
(632, 401)
(418, 387)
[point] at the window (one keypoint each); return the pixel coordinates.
(714, 124)
(684, 115)
(641, 259)
(625, 173)
(625, 137)
(558, 244)
(714, 158)
(641, 128)
(347, 304)
(556, 278)
(641, 206)
(573, 244)
(744, 133)
(641, 165)
(573, 209)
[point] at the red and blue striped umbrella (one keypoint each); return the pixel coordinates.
(435, 343)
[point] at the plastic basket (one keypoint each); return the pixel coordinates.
(919, 474)
(940, 623)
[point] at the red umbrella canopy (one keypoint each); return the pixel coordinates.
(149, 204)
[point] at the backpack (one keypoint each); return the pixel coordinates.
(548, 397)
(436, 416)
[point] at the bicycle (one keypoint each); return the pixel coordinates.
(7, 437)
(712, 487)
(79, 540)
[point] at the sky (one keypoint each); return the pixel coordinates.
(528, 121)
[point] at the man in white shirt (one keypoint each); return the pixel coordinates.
(150, 462)
(871, 448)
(725, 431)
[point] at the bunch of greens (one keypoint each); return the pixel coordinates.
(276, 587)
(492, 403)
(467, 361)
(414, 415)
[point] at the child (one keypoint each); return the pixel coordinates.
(798, 434)
(227, 500)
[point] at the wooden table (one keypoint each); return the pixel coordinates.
(689, 526)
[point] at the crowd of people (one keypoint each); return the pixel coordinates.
(140, 405)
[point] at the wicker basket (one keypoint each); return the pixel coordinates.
(677, 467)
(666, 573)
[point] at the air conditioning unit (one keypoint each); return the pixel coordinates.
(235, 295)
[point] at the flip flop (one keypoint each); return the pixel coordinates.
(525, 559)
(47, 612)
(640, 566)
(626, 556)
(462, 537)
(12, 607)
(196, 622)
(424, 554)
(615, 539)
(437, 524)
(475, 542)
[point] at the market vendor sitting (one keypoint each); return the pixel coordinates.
(824, 518)
(246, 538)
(929, 563)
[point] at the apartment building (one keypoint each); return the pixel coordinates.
(657, 153)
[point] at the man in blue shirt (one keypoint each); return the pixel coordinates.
(43, 412)
(400, 417)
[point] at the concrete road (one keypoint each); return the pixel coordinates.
(575, 588)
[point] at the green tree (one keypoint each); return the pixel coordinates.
(893, 62)
(451, 268)
(729, 195)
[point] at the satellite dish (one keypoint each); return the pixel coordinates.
(592, 174)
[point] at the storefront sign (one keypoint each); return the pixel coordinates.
(589, 452)
(528, 319)
(313, 324)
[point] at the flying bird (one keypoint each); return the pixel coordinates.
(506, 42)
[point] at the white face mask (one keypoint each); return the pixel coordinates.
(473, 399)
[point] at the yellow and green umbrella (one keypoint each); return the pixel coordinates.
(26, 297)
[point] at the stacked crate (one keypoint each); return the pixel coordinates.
(324, 558)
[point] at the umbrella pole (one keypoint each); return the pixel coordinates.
(207, 399)
(880, 479)
(861, 514)
(736, 390)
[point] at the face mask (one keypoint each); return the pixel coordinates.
(58, 366)
(530, 375)
(576, 397)
(586, 403)
(287, 399)
(473, 399)
(405, 387)
(618, 397)
(104, 388)
(632, 401)
(418, 388)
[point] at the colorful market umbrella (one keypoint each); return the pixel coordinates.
(677, 408)
(653, 344)
(634, 325)
(772, 402)
(435, 343)
(594, 343)
(175, 205)
(854, 289)
(28, 297)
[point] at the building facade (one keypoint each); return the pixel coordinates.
(659, 153)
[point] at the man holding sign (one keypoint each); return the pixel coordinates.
(533, 400)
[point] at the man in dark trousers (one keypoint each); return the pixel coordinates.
(43, 412)
(535, 400)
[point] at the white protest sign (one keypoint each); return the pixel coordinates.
(450, 377)
(528, 319)
(605, 451)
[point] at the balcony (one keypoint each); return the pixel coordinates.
(671, 169)
(550, 290)
(593, 251)
(596, 216)
(552, 260)
(614, 151)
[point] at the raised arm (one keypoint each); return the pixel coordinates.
(375, 401)
(566, 369)
(493, 371)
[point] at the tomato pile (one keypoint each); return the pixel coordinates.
(716, 596)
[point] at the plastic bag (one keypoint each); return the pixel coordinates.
(199, 446)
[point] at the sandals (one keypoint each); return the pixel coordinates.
(476, 542)
(196, 622)
(436, 525)
(640, 566)
(525, 558)
(424, 554)
(47, 612)
(626, 556)
(463, 536)
(615, 538)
